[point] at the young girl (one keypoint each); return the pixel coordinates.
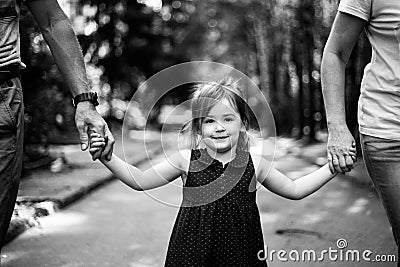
(218, 223)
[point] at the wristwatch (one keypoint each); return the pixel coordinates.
(91, 96)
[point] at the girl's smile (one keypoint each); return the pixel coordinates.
(220, 138)
(221, 128)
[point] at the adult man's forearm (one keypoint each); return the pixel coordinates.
(67, 54)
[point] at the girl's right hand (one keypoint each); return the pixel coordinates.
(97, 143)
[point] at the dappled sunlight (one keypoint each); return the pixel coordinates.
(59, 223)
(333, 203)
(334, 198)
(268, 217)
(358, 206)
(346, 184)
(313, 218)
(144, 262)
(266, 148)
(335, 194)
(9, 258)
(135, 246)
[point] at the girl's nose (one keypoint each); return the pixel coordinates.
(219, 127)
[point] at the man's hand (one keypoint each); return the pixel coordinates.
(88, 119)
(341, 150)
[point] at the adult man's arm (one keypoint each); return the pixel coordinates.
(59, 35)
(345, 32)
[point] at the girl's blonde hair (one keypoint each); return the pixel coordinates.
(204, 97)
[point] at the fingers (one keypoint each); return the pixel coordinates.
(83, 136)
(353, 152)
(337, 163)
(330, 163)
(93, 150)
(94, 134)
(106, 143)
(350, 157)
(342, 163)
(353, 155)
(87, 118)
(108, 150)
(342, 149)
(96, 140)
(349, 161)
(97, 144)
(340, 157)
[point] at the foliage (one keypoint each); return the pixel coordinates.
(278, 43)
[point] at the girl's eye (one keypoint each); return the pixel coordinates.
(228, 119)
(208, 121)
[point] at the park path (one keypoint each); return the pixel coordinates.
(116, 226)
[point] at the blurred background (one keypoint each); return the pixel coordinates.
(277, 43)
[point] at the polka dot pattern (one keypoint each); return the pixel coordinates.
(224, 232)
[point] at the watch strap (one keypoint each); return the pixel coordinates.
(91, 96)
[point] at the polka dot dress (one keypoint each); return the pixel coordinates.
(218, 223)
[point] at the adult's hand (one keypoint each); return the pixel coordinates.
(88, 119)
(339, 142)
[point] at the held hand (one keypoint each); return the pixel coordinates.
(110, 141)
(341, 150)
(97, 144)
(353, 152)
(87, 118)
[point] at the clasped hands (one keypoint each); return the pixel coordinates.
(97, 144)
(89, 121)
(341, 150)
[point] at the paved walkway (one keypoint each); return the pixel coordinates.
(72, 176)
(116, 226)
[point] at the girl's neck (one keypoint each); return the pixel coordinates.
(223, 157)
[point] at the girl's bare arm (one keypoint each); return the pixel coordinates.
(295, 189)
(158, 175)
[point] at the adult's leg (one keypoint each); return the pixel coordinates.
(11, 149)
(382, 159)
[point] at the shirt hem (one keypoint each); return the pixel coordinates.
(379, 134)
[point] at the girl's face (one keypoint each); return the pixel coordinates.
(221, 127)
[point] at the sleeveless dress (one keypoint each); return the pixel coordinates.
(218, 223)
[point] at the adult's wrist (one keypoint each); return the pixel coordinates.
(86, 97)
(85, 105)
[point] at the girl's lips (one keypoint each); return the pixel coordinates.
(219, 137)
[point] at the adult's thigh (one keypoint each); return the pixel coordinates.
(382, 160)
(11, 149)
